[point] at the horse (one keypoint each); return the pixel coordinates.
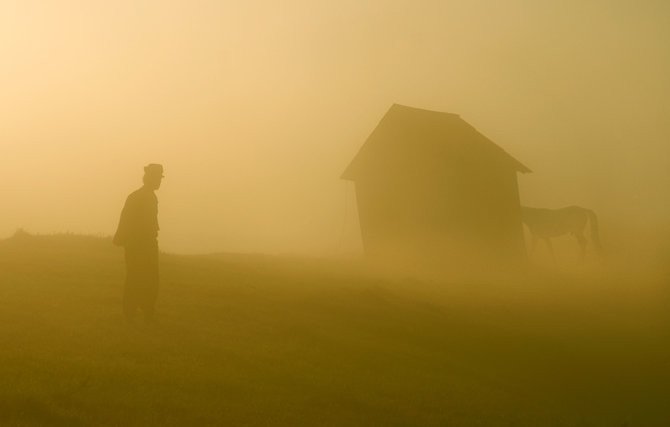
(547, 223)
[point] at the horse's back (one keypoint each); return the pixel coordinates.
(555, 222)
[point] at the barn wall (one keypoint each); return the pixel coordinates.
(448, 217)
(389, 227)
(490, 213)
(514, 225)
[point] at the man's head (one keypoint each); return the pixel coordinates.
(153, 175)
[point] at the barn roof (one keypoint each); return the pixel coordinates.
(406, 132)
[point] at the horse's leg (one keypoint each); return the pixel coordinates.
(551, 249)
(582, 245)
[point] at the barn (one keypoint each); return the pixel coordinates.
(434, 192)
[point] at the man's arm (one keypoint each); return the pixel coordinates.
(121, 235)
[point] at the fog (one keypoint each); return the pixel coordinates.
(256, 108)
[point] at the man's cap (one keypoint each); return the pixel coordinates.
(153, 169)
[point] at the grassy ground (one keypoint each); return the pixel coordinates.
(252, 340)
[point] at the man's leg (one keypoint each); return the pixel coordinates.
(130, 300)
(149, 303)
(131, 288)
(150, 285)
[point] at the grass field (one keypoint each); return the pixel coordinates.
(263, 341)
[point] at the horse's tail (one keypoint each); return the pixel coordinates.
(595, 235)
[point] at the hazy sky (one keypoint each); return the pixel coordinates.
(255, 108)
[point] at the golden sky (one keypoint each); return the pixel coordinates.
(255, 108)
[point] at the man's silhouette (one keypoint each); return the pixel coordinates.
(138, 234)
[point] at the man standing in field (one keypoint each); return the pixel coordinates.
(138, 234)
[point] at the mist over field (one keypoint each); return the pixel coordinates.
(255, 109)
(334, 213)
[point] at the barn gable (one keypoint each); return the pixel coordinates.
(407, 137)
